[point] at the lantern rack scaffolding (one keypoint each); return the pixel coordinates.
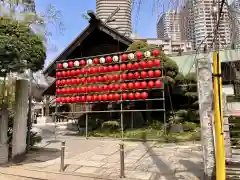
(82, 75)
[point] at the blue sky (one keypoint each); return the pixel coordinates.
(71, 17)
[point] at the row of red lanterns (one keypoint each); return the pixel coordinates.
(103, 97)
(110, 77)
(105, 69)
(111, 87)
(109, 59)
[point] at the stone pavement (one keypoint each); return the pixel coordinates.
(100, 159)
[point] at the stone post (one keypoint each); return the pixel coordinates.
(20, 119)
(3, 136)
(205, 98)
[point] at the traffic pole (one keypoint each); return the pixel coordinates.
(218, 119)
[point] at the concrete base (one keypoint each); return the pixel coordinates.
(44, 119)
(4, 153)
(72, 126)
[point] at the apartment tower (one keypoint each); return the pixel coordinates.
(121, 20)
(168, 26)
(198, 24)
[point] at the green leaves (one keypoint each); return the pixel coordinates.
(20, 48)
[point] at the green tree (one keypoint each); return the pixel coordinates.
(20, 47)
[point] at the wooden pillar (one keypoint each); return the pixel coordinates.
(20, 119)
(205, 98)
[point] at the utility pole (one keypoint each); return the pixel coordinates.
(217, 90)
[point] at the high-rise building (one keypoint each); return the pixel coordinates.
(198, 24)
(121, 20)
(168, 25)
(235, 17)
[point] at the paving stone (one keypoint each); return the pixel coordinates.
(111, 165)
(139, 175)
(90, 163)
(87, 170)
(98, 157)
(72, 168)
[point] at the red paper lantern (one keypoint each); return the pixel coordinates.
(109, 59)
(94, 79)
(143, 85)
(68, 99)
(77, 99)
(124, 76)
(94, 70)
(136, 75)
(143, 74)
(73, 99)
(110, 97)
(123, 67)
(105, 87)
(158, 83)
(58, 83)
(96, 61)
(58, 91)
(89, 98)
(150, 74)
(130, 75)
(83, 62)
(95, 97)
(157, 63)
(116, 67)
(58, 74)
(130, 96)
(137, 85)
(110, 68)
(151, 84)
(124, 96)
(110, 87)
(63, 82)
(78, 72)
(129, 66)
(99, 78)
(89, 89)
(89, 79)
(100, 88)
(139, 55)
(123, 86)
(59, 66)
(68, 73)
(58, 100)
(144, 95)
(155, 52)
(70, 64)
(83, 80)
(100, 69)
(73, 90)
(105, 78)
(83, 89)
(83, 71)
(64, 74)
(130, 85)
(135, 66)
(89, 70)
(83, 98)
(78, 90)
(116, 97)
(137, 95)
(105, 69)
(94, 88)
(73, 73)
(104, 97)
(110, 77)
(74, 81)
(116, 87)
(150, 64)
(157, 73)
(100, 97)
(78, 81)
(143, 64)
(124, 57)
(68, 82)
(116, 77)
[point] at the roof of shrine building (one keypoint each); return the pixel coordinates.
(95, 25)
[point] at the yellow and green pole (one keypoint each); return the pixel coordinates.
(218, 119)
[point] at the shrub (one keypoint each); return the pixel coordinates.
(156, 124)
(189, 126)
(110, 125)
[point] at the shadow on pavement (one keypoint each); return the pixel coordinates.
(163, 167)
(196, 169)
